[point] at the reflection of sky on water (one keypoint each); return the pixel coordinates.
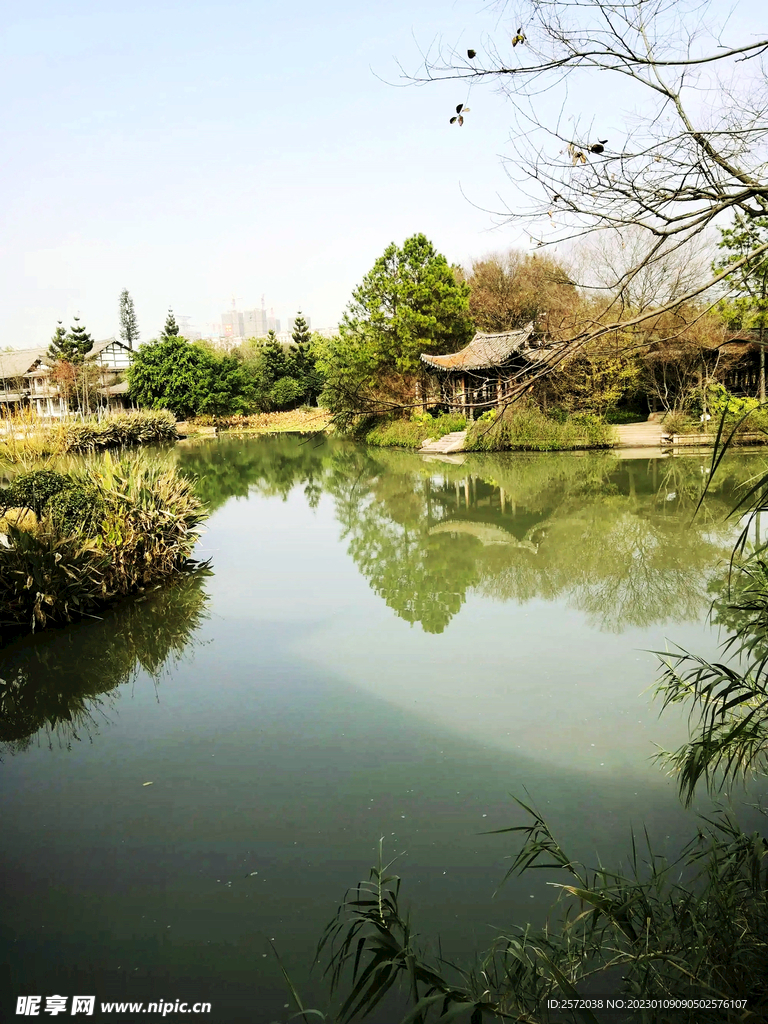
(321, 697)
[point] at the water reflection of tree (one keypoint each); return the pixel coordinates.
(61, 681)
(616, 539)
(272, 466)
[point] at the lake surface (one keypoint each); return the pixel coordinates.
(386, 646)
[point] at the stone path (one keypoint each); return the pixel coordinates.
(448, 443)
(640, 435)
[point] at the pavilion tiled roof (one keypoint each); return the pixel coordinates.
(483, 352)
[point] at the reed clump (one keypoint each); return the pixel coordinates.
(93, 537)
(27, 439)
(526, 428)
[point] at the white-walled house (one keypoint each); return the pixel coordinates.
(25, 379)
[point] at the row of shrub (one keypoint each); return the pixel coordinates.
(30, 440)
(72, 543)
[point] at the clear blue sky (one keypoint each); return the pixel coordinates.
(196, 151)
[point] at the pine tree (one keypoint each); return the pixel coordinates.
(72, 347)
(59, 350)
(81, 341)
(171, 328)
(129, 326)
(274, 360)
(300, 352)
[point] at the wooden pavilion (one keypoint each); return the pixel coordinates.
(490, 370)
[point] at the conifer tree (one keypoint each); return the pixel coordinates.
(301, 354)
(171, 328)
(129, 326)
(273, 359)
(72, 347)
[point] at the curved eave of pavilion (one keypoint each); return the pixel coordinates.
(484, 352)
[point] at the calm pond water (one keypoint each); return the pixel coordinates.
(386, 646)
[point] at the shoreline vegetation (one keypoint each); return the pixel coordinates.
(71, 544)
(26, 438)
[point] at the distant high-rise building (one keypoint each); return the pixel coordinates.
(272, 323)
(186, 330)
(232, 324)
(255, 323)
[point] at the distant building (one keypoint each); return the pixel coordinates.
(255, 323)
(186, 329)
(232, 324)
(25, 379)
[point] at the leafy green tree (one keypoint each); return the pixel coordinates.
(410, 302)
(749, 283)
(230, 388)
(70, 347)
(171, 328)
(129, 325)
(171, 373)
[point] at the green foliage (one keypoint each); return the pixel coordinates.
(596, 381)
(70, 347)
(694, 929)
(170, 328)
(129, 325)
(126, 524)
(32, 490)
(615, 415)
(720, 401)
(286, 392)
(303, 361)
(399, 433)
(408, 303)
(76, 508)
(274, 362)
(40, 689)
(171, 373)
(748, 283)
(230, 388)
(528, 429)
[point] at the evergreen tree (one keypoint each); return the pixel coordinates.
(171, 328)
(274, 361)
(129, 326)
(302, 360)
(410, 302)
(72, 347)
(301, 353)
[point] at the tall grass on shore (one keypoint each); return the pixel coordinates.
(25, 439)
(527, 428)
(95, 536)
(413, 432)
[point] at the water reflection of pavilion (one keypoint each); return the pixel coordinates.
(481, 509)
